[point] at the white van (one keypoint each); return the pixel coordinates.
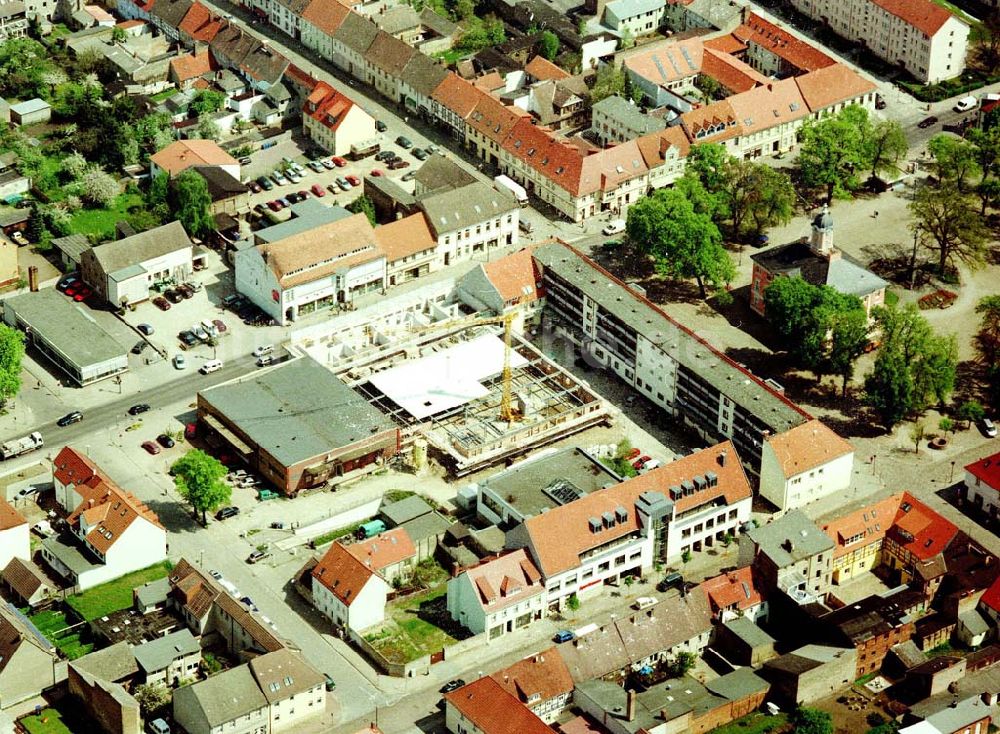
(643, 602)
(615, 226)
(212, 365)
(966, 103)
(262, 350)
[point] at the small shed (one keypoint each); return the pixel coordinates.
(30, 112)
(26, 583)
(743, 642)
(404, 510)
(70, 248)
(426, 532)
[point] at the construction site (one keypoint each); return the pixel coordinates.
(466, 386)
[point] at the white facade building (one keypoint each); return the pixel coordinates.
(982, 485)
(15, 541)
(919, 35)
(497, 597)
(347, 592)
(804, 464)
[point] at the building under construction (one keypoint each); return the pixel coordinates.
(476, 391)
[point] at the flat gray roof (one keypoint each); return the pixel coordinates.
(426, 526)
(306, 215)
(297, 411)
(67, 326)
(159, 653)
(791, 538)
(749, 632)
(406, 509)
(62, 547)
(747, 391)
(530, 487)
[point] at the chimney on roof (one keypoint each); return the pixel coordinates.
(788, 545)
(722, 457)
(630, 697)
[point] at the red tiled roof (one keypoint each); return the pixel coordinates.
(781, 43)
(384, 550)
(328, 106)
(919, 529)
(734, 589)
(730, 72)
(924, 15)
(182, 154)
(456, 94)
(807, 446)
(326, 15)
(558, 537)
(401, 238)
(543, 674)
(200, 23)
(986, 470)
(728, 44)
(711, 123)
(506, 580)
(301, 77)
(543, 69)
(493, 119)
(9, 517)
(831, 85)
(556, 159)
(516, 276)
(864, 526)
(342, 573)
(193, 65)
(991, 597)
(493, 710)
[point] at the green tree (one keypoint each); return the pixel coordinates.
(159, 190)
(193, 203)
(682, 242)
(812, 721)
(549, 45)
(205, 102)
(73, 166)
(623, 449)
(886, 144)
(682, 664)
(946, 425)
(788, 303)
(198, 478)
(971, 411)
(708, 163)
(208, 129)
(686, 557)
(831, 151)
(465, 9)
(848, 340)
(573, 603)
(117, 34)
(988, 191)
(152, 699)
(35, 227)
(949, 225)
(954, 160)
(363, 205)
(610, 82)
(758, 193)
(11, 355)
(987, 339)
(913, 365)
(917, 433)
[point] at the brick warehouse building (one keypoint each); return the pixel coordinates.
(298, 425)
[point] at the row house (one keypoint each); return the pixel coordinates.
(920, 36)
(498, 596)
(542, 682)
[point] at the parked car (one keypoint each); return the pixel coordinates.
(66, 281)
(274, 206)
(420, 154)
(199, 332)
(343, 184)
(75, 417)
(265, 183)
(173, 296)
(151, 447)
(185, 290)
(404, 142)
(317, 190)
(82, 294)
(316, 166)
(338, 161)
(353, 180)
(284, 202)
(303, 195)
(278, 179)
(328, 164)
(257, 556)
(988, 428)
(179, 362)
(187, 338)
(563, 636)
(145, 329)
(165, 441)
(139, 409)
(380, 126)
(265, 361)
(376, 172)
(227, 512)
(643, 602)
(452, 685)
(161, 303)
(431, 149)
(332, 188)
(641, 462)
(254, 186)
(220, 326)
(927, 122)
(673, 578)
(396, 164)
(212, 365)
(140, 347)
(262, 350)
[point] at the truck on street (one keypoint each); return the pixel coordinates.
(10, 449)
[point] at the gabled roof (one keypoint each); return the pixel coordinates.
(182, 154)
(457, 95)
(282, 674)
(735, 589)
(543, 674)
(986, 470)
(712, 123)
(201, 24)
(516, 277)
(9, 517)
(465, 207)
(404, 237)
(125, 253)
(781, 43)
(493, 710)
(223, 698)
(730, 72)
(864, 526)
(342, 573)
(171, 12)
(493, 119)
(920, 530)
(807, 447)
(193, 65)
(668, 63)
(924, 15)
(389, 54)
(423, 74)
(831, 85)
(384, 550)
(504, 581)
(326, 15)
(542, 69)
(356, 32)
(560, 536)
(328, 106)
(24, 577)
(789, 539)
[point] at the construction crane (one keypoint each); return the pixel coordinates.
(507, 413)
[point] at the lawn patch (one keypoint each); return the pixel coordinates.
(73, 644)
(756, 723)
(410, 631)
(115, 595)
(101, 222)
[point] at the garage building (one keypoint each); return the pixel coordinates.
(298, 425)
(67, 335)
